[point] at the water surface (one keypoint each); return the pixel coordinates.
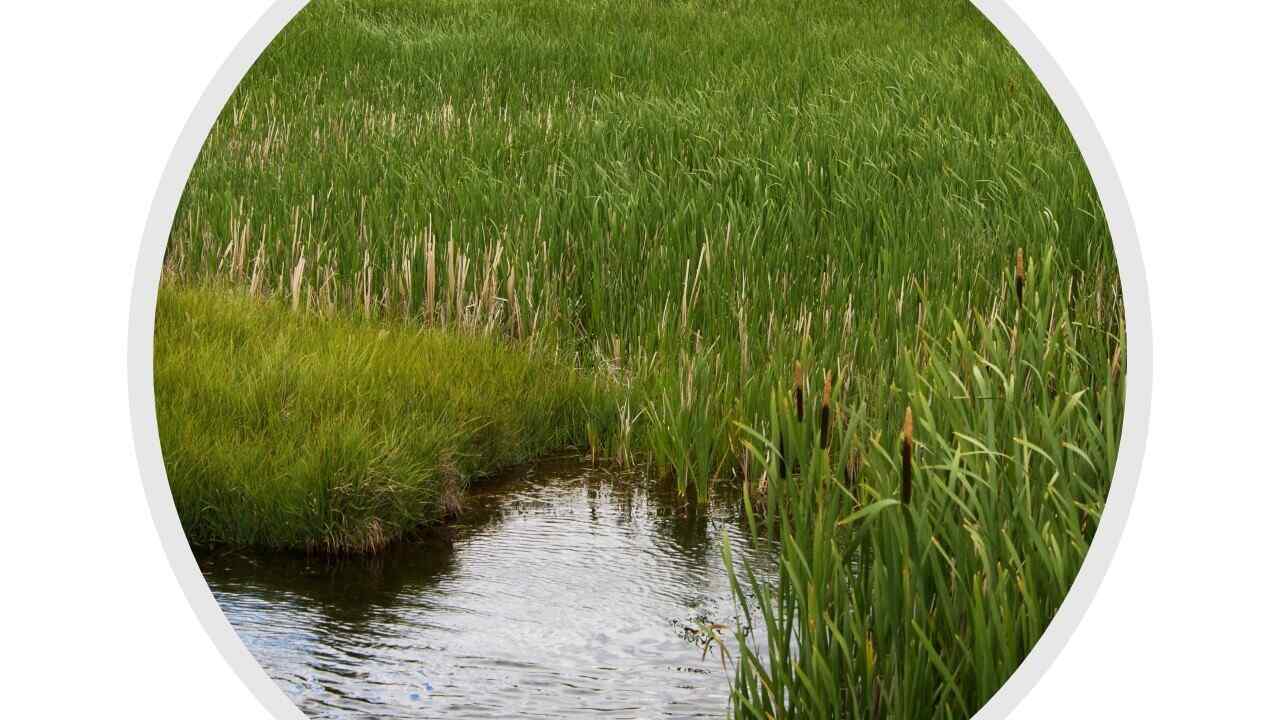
(564, 591)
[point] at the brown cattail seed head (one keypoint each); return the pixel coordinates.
(1020, 277)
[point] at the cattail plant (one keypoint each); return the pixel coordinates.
(799, 392)
(1019, 276)
(782, 453)
(908, 432)
(824, 421)
(431, 277)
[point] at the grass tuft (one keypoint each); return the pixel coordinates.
(340, 435)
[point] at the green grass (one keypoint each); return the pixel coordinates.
(893, 609)
(339, 435)
(677, 202)
(723, 188)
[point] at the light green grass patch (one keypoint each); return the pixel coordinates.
(289, 430)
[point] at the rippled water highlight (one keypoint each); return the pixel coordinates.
(565, 591)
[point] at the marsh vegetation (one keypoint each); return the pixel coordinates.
(844, 257)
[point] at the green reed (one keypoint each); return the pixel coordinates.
(913, 585)
(713, 189)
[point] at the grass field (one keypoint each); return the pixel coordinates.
(687, 210)
(717, 192)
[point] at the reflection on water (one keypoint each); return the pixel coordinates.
(565, 591)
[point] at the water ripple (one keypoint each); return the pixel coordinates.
(566, 592)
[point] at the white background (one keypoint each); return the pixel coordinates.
(95, 94)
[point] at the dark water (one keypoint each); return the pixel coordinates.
(564, 591)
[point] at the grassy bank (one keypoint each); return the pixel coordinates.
(336, 434)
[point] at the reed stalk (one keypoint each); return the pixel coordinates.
(430, 299)
(799, 392)
(824, 420)
(908, 439)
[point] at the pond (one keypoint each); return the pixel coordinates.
(565, 590)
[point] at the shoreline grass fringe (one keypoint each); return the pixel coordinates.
(337, 435)
(913, 586)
